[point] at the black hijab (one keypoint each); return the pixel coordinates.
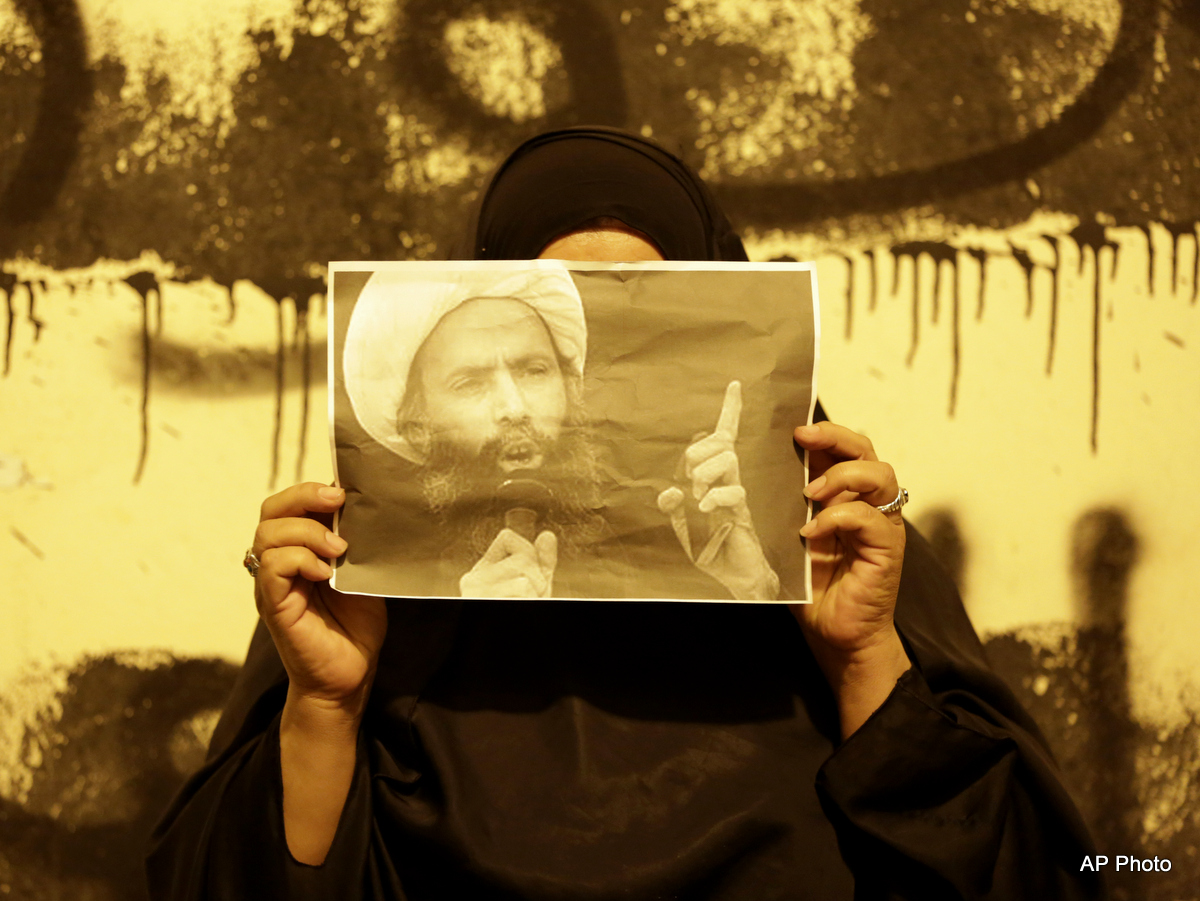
(557, 181)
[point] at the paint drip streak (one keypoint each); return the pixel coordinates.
(1175, 262)
(874, 279)
(1196, 271)
(8, 334)
(1027, 266)
(1096, 351)
(279, 348)
(849, 297)
(956, 350)
(1053, 308)
(1150, 260)
(937, 288)
(980, 257)
(916, 287)
(145, 448)
(38, 324)
(916, 316)
(304, 343)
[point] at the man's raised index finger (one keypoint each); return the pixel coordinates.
(731, 411)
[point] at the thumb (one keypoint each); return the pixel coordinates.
(546, 546)
(505, 544)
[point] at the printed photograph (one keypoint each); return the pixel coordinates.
(533, 431)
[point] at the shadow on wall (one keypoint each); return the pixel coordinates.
(86, 786)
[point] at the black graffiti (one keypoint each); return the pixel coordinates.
(781, 204)
(1177, 232)
(1054, 291)
(1028, 267)
(980, 256)
(145, 284)
(8, 283)
(118, 747)
(595, 88)
(941, 529)
(53, 145)
(591, 86)
(1093, 236)
(300, 290)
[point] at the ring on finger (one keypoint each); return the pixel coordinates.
(900, 501)
(252, 563)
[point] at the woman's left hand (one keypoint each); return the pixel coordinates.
(857, 552)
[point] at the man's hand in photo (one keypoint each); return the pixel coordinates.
(514, 568)
(733, 554)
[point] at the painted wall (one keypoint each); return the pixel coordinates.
(1002, 197)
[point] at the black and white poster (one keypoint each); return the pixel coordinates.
(541, 429)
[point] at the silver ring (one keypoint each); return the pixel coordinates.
(251, 563)
(900, 501)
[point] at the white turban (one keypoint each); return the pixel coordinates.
(398, 309)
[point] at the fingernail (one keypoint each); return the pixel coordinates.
(331, 494)
(337, 542)
(326, 570)
(809, 528)
(808, 431)
(814, 487)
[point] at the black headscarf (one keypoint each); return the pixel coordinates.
(557, 181)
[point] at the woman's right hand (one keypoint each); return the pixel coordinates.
(329, 642)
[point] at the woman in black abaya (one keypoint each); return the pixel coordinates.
(856, 747)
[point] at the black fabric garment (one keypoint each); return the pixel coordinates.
(581, 751)
(591, 751)
(556, 181)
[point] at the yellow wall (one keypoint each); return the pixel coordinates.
(156, 565)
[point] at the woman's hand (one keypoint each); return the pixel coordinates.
(329, 642)
(857, 552)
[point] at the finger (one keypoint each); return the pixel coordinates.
(505, 544)
(731, 411)
(837, 440)
(307, 497)
(546, 547)
(671, 503)
(869, 526)
(681, 470)
(670, 500)
(278, 567)
(297, 532)
(723, 496)
(872, 480)
(517, 588)
(515, 569)
(704, 449)
(723, 467)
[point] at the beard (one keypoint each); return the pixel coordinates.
(460, 488)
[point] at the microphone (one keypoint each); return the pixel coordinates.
(524, 502)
